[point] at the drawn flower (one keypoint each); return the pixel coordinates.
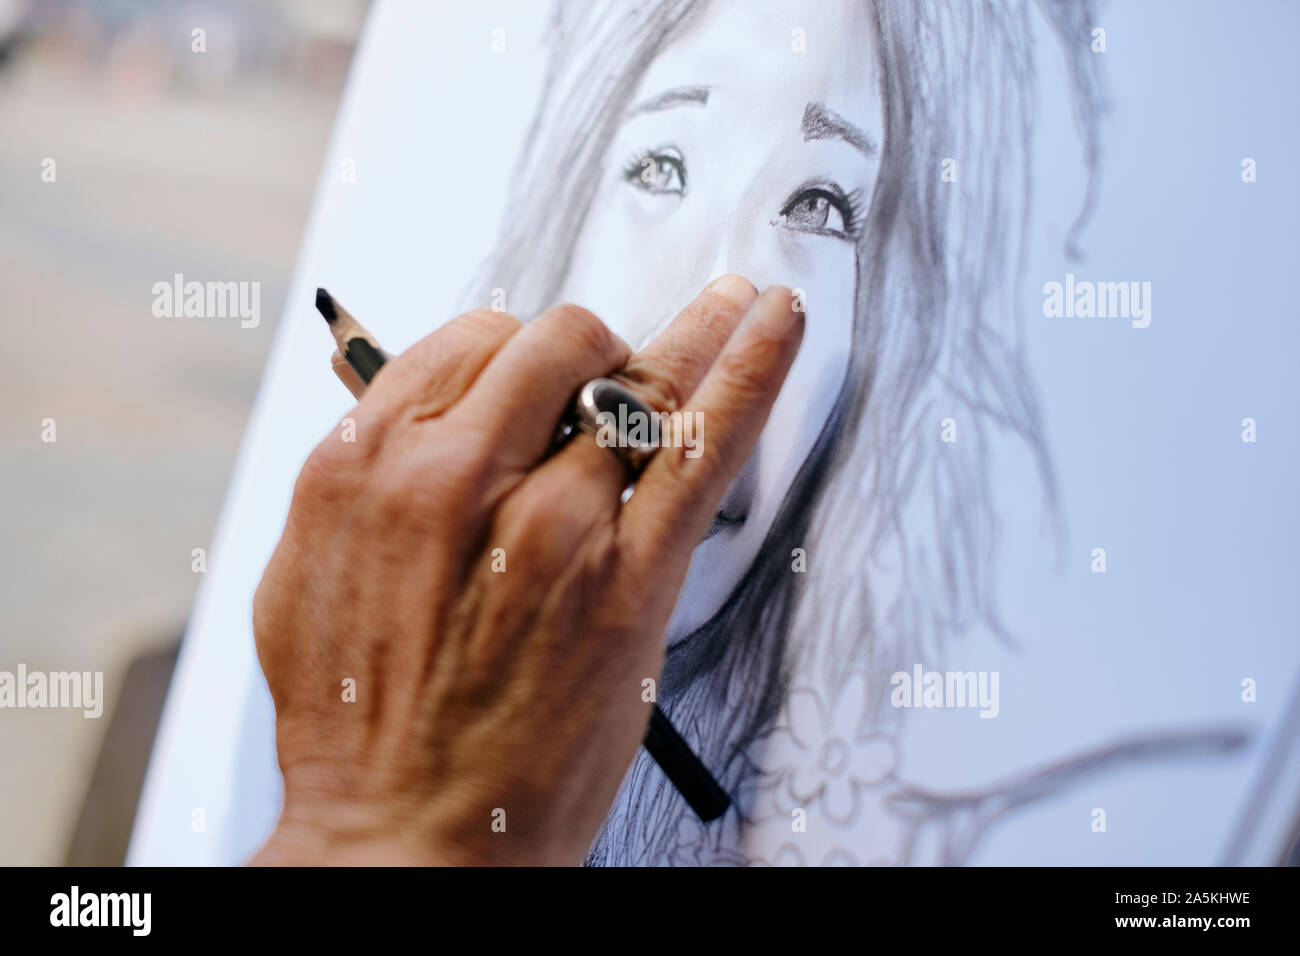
(695, 843)
(790, 855)
(835, 761)
(840, 856)
(787, 855)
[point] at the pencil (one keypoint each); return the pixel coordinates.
(684, 769)
(362, 352)
(662, 741)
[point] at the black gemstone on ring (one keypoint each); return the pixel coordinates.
(625, 410)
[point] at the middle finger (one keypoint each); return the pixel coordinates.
(665, 373)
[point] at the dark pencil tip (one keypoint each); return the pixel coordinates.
(325, 305)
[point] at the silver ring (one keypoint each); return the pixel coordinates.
(619, 420)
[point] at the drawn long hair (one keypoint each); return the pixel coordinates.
(897, 525)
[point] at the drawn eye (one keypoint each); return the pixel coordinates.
(660, 170)
(822, 209)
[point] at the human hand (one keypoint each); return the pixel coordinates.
(485, 695)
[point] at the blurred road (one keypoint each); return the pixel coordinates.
(211, 181)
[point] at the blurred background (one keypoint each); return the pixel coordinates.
(165, 160)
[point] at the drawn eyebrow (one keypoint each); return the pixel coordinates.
(821, 123)
(681, 96)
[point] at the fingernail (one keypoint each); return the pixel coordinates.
(735, 287)
(778, 313)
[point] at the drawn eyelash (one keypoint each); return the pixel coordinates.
(853, 219)
(847, 204)
(635, 167)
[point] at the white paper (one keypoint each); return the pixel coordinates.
(1119, 695)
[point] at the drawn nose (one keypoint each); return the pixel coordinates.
(718, 267)
(720, 263)
(741, 247)
(730, 256)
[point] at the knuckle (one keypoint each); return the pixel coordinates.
(588, 333)
(532, 515)
(396, 492)
(272, 605)
(419, 487)
(489, 325)
(547, 524)
(262, 609)
(528, 523)
(466, 454)
(658, 386)
(693, 472)
(438, 486)
(328, 473)
(745, 374)
(461, 470)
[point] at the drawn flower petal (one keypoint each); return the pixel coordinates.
(806, 779)
(839, 857)
(840, 801)
(875, 758)
(806, 718)
(788, 855)
(850, 705)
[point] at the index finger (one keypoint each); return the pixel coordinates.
(678, 493)
(667, 371)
